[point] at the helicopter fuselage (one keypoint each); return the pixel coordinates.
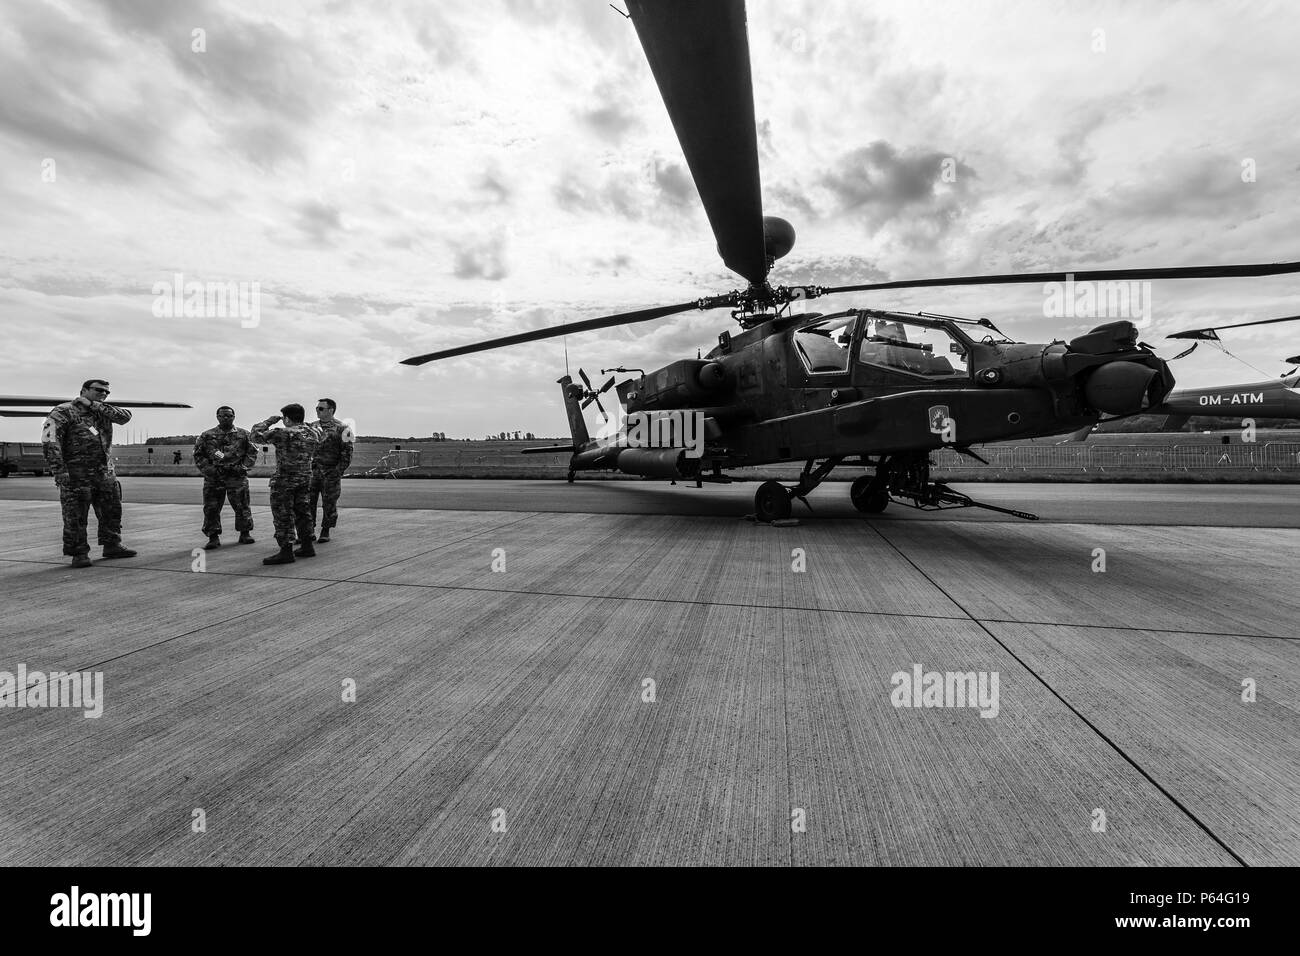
(871, 383)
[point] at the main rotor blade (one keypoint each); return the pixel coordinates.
(1086, 275)
(1209, 330)
(586, 325)
(699, 54)
(51, 402)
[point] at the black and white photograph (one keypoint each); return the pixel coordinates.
(651, 433)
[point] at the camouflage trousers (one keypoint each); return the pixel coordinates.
(77, 495)
(215, 493)
(290, 509)
(326, 485)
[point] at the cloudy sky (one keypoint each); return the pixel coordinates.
(400, 177)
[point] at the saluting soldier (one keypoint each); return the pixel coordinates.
(223, 455)
(333, 456)
(77, 437)
(290, 495)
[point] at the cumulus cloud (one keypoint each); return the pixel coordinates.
(484, 259)
(317, 222)
(879, 182)
(675, 184)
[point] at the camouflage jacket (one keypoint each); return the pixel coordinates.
(77, 439)
(220, 454)
(294, 446)
(335, 450)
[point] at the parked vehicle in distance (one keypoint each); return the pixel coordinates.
(22, 456)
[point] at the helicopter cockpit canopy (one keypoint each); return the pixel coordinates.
(914, 348)
(824, 346)
(891, 342)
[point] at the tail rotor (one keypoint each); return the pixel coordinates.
(590, 395)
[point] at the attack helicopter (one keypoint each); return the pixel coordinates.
(873, 387)
(1272, 398)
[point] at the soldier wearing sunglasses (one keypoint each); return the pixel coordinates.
(77, 437)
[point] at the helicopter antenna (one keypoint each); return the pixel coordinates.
(566, 355)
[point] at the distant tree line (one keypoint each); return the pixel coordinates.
(436, 436)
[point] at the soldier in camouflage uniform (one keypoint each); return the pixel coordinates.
(333, 456)
(77, 438)
(224, 454)
(290, 502)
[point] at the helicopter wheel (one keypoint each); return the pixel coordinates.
(771, 501)
(869, 495)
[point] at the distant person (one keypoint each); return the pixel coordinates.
(291, 486)
(77, 438)
(223, 456)
(266, 453)
(331, 461)
(150, 453)
(176, 458)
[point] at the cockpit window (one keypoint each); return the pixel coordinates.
(824, 346)
(915, 349)
(990, 335)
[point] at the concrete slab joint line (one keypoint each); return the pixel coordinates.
(1091, 726)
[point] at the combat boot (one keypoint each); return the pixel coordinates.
(324, 536)
(81, 560)
(306, 551)
(283, 556)
(246, 538)
(117, 551)
(214, 542)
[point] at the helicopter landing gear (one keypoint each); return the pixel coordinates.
(572, 474)
(772, 501)
(869, 494)
(908, 476)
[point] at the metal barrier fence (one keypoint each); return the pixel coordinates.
(1276, 456)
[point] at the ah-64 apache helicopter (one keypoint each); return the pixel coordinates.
(882, 387)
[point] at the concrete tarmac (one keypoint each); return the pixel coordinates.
(497, 684)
